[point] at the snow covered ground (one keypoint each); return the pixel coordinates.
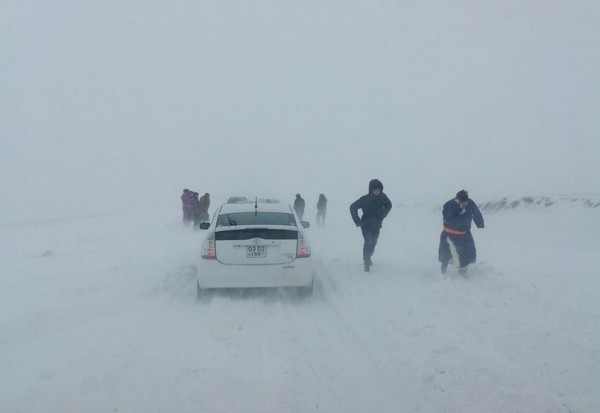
(98, 314)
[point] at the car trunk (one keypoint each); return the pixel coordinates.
(255, 245)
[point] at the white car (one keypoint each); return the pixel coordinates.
(255, 244)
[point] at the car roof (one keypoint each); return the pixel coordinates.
(244, 200)
(250, 207)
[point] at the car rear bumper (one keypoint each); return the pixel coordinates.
(214, 274)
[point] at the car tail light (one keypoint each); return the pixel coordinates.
(208, 249)
(303, 250)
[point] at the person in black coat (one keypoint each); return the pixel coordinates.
(299, 206)
(375, 207)
(203, 205)
(456, 235)
(321, 210)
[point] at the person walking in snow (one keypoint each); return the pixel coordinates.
(321, 210)
(299, 206)
(375, 207)
(456, 235)
(186, 206)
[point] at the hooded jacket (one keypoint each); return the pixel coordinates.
(374, 207)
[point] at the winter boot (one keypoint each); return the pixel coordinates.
(444, 267)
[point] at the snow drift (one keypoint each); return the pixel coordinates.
(98, 314)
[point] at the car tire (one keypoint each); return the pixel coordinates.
(202, 294)
(306, 291)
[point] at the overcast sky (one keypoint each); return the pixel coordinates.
(107, 104)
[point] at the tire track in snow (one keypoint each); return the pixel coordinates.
(341, 354)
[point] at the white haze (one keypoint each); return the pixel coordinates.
(117, 104)
(109, 109)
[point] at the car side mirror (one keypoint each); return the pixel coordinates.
(305, 224)
(204, 225)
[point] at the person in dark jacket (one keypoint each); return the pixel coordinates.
(195, 210)
(203, 205)
(299, 206)
(186, 206)
(321, 210)
(375, 207)
(456, 235)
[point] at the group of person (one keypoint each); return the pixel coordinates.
(299, 205)
(456, 240)
(195, 208)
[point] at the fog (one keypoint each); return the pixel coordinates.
(112, 105)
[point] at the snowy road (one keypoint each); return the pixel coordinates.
(98, 314)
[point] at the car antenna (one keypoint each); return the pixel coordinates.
(255, 206)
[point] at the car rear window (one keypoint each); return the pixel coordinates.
(250, 233)
(256, 218)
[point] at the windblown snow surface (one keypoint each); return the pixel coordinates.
(98, 314)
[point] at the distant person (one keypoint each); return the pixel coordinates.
(321, 210)
(195, 210)
(456, 236)
(186, 206)
(299, 206)
(375, 207)
(204, 204)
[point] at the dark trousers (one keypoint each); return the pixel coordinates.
(370, 235)
(465, 248)
(321, 217)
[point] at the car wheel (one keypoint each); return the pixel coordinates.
(202, 294)
(306, 291)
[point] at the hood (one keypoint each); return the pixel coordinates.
(375, 183)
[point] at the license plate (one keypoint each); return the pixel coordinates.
(256, 251)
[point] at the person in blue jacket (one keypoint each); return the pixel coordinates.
(375, 207)
(458, 214)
